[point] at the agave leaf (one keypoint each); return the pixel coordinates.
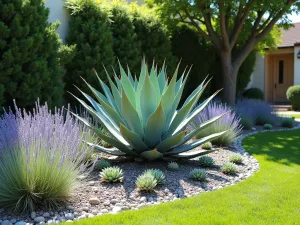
(198, 109)
(190, 155)
(188, 147)
(127, 86)
(155, 126)
(181, 114)
(162, 79)
(130, 77)
(148, 100)
(131, 115)
(171, 142)
(155, 84)
(169, 95)
(151, 155)
(200, 127)
(106, 150)
(134, 139)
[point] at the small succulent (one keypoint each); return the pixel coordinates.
(198, 175)
(229, 168)
(157, 174)
(101, 164)
(173, 166)
(268, 126)
(236, 159)
(207, 146)
(112, 175)
(146, 182)
(288, 122)
(206, 161)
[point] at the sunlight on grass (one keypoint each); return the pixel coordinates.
(271, 196)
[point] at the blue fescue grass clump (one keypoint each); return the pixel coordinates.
(229, 122)
(41, 156)
(255, 112)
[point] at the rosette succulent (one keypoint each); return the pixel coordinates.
(142, 117)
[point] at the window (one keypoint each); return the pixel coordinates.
(281, 69)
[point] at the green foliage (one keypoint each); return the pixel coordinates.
(229, 168)
(141, 117)
(207, 146)
(173, 166)
(198, 175)
(111, 175)
(126, 45)
(157, 174)
(246, 122)
(287, 122)
(146, 182)
(153, 36)
(254, 93)
(236, 159)
(293, 95)
(268, 126)
(101, 164)
(90, 31)
(206, 161)
(30, 50)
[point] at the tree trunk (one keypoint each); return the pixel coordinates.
(229, 78)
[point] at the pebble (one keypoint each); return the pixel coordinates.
(143, 199)
(104, 210)
(39, 219)
(69, 216)
(20, 223)
(46, 214)
(117, 209)
(5, 222)
(114, 201)
(33, 215)
(94, 201)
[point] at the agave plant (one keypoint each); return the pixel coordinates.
(142, 118)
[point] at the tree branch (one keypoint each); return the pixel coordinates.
(224, 33)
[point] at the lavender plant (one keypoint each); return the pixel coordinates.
(256, 111)
(229, 122)
(41, 156)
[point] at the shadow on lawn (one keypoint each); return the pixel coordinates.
(282, 147)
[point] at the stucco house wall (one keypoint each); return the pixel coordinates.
(296, 66)
(257, 79)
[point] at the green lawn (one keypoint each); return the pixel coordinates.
(271, 196)
(295, 115)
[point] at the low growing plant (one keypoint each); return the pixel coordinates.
(236, 159)
(229, 122)
(173, 166)
(207, 146)
(112, 175)
(41, 156)
(146, 182)
(206, 161)
(268, 126)
(157, 174)
(101, 164)
(293, 95)
(287, 122)
(229, 168)
(198, 175)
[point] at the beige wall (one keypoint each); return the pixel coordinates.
(59, 13)
(258, 75)
(296, 66)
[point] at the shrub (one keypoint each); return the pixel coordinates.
(229, 168)
(206, 161)
(229, 123)
(153, 36)
(268, 126)
(293, 95)
(146, 182)
(236, 159)
(246, 122)
(126, 46)
(157, 174)
(41, 156)
(207, 145)
(90, 31)
(254, 93)
(287, 122)
(140, 130)
(173, 166)
(101, 164)
(198, 175)
(30, 55)
(112, 175)
(255, 111)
